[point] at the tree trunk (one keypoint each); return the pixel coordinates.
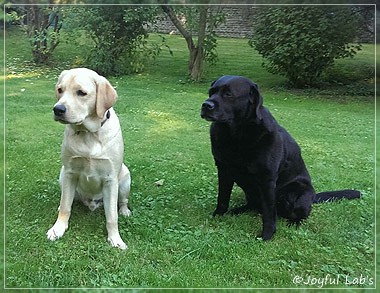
(197, 56)
(196, 53)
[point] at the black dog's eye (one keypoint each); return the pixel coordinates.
(227, 94)
(81, 93)
(59, 91)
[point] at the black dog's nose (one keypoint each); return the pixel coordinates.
(209, 105)
(59, 110)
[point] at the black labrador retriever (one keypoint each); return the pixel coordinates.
(252, 150)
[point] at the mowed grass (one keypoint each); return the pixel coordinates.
(173, 240)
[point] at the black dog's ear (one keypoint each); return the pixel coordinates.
(211, 90)
(257, 100)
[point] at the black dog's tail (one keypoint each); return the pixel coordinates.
(335, 195)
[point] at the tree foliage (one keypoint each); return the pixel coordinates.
(302, 42)
(119, 35)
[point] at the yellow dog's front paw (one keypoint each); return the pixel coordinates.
(125, 211)
(56, 231)
(116, 241)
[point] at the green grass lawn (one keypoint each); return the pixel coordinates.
(173, 240)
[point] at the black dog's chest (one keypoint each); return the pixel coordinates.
(234, 153)
(236, 148)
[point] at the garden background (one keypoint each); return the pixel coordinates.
(173, 240)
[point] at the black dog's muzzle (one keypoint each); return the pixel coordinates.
(207, 110)
(208, 105)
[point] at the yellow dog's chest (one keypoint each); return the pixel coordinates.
(89, 158)
(84, 144)
(92, 174)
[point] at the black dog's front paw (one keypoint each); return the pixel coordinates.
(268, 233)
(220, 211)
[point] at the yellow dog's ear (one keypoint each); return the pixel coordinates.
(106, 96)
(63, 73)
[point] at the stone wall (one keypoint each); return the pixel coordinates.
(239, 20)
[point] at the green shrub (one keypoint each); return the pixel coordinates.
(119, 35)
(302, 42)
(43, 29)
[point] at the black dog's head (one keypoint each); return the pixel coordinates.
(232, 98)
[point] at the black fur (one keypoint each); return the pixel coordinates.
(252, 150)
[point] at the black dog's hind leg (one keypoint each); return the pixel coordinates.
(240, 210)
(225, 184)
(294, 201)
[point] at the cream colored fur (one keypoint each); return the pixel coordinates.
(92, 150)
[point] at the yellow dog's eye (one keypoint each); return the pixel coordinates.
(81, 93)
(59, 91)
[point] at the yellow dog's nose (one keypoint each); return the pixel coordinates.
(59, 110)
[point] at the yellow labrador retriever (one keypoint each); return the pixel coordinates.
(92, 151)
